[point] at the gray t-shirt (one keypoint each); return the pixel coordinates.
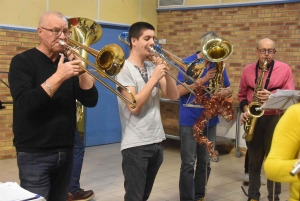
(145, 127)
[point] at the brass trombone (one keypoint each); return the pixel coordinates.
(109, 60)
(173, 61)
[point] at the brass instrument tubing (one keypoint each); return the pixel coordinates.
(183, 73)
(132, 104)
(167, 60)
(124, 38)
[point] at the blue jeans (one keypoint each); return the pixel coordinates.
(46, 174)
(140, 166)
(77, 164)
(192, 184)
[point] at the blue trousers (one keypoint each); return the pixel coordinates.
(192, 183)
(140, 166)
(46, 174)
(77, 164)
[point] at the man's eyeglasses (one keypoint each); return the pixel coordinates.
(57, 31)
(270, 51)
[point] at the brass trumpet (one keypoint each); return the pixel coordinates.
(109, 60)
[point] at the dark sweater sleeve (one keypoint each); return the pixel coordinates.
(88, 98)
(242, 104)
(27, 98)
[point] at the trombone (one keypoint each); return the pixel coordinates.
(109, 60)
(158, 51)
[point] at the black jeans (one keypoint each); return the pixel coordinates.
(258, 148)
(46, 174)
(140, 166)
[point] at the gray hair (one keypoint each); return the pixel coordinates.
(265, 39)
(207, 36)
(43, 17)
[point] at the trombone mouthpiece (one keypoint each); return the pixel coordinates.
(151, 49)
(61, 42)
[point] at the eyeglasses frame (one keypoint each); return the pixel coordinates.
(58, 33)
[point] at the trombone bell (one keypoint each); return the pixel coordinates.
(109, 60)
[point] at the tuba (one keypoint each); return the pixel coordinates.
(90, 34)
(79, 111)
(109, 60)
(217, 50)
(254, 110)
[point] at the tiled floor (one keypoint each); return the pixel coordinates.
(102, 173)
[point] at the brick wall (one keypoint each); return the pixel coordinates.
(11, 43)
(243, 27)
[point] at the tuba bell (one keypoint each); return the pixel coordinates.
(217, 50)
(89, 34)
(109, 60)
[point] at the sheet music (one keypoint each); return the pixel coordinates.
(281, 100)
(287, 93)
(11, 191)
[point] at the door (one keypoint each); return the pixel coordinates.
(102, 123)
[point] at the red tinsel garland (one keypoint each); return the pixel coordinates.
(214, 105)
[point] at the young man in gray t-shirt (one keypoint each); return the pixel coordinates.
(142, 129)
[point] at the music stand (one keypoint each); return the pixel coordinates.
(280, 100)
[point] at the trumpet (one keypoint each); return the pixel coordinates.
(109, 60)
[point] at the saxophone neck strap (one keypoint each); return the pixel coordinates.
(270, 68)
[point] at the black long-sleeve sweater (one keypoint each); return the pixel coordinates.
(42, 123)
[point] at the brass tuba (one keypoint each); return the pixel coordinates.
(254, 110)
(217, 50)
(92, 34)
(109, 60)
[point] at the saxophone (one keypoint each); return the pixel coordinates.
(254, 110)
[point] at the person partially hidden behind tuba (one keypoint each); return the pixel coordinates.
(192, 182)
(278, 75)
